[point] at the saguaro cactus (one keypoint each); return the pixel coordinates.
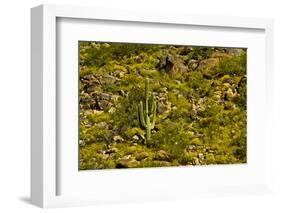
(147, 116)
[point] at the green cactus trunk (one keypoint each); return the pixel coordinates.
(144, 115)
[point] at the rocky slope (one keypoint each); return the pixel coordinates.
(201, 105)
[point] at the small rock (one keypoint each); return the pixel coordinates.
(105, 156)
(120, 74)
(135, 137)
(201, 156)
(118, 138)
(102, 104)
(102, 125)
(82, 143)
(112, 110)
(108, 79)
(110, 151)
(230, 94)
(217, 97)
(177, 82)
(195, 161)
(191, 147)
(164, 89)
(192, 64)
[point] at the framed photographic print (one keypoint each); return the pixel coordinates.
(129, 106)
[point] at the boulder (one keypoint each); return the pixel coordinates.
(127, 163)
(209, 63)
(162, 155)
(142, 155)
(172, 65)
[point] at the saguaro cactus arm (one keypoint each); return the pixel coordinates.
(146, 98)
(153, 114)
(141, 114)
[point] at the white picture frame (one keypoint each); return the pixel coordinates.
(45, 154)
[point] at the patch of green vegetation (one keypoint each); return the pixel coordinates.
(233, 66)
(97, 118)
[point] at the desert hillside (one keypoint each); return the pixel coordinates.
(199, 95)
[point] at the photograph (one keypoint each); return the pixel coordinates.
(161, 105)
